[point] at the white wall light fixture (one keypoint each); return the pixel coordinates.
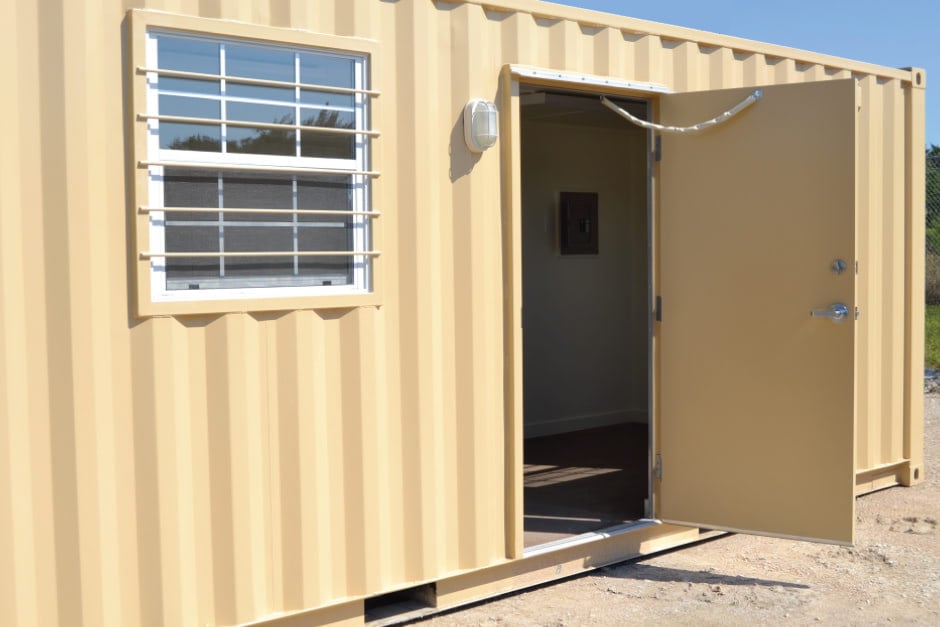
(480, 124)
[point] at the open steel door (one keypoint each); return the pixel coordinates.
(756, 427)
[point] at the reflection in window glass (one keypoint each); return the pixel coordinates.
(327, 146)
(190, 107)
(183, 136)
(188, 55)
(260, 92)
(188, 85)
(252, 112)
(325, 69)
(255, 62)
(328, 118)
(328, 99)
(261, 141)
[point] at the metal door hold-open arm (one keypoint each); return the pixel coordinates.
(756, 95)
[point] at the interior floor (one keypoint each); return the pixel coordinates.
(584, 481)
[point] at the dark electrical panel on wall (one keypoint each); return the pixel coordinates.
(578, 223)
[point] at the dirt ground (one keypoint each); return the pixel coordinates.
(892, 575)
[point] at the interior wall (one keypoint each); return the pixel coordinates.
(584, 319)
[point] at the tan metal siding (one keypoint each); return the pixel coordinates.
(216, 469)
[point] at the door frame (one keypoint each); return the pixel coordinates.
(511, 202)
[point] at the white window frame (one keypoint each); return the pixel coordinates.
(362, 275)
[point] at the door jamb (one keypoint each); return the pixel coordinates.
(511, 204)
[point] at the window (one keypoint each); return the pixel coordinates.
(257, 162)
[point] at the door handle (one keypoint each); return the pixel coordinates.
(837, 312)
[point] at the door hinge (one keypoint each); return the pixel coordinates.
(856, 313)
(658, 148)
(658, 313)
(658, 467)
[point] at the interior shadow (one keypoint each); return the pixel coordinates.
(583, 481)
(603, 447)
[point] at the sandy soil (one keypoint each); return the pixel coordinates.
(892, 575)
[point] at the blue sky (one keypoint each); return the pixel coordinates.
(896, 33)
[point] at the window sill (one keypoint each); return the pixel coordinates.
(147, 308)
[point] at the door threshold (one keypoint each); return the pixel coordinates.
(590, 536)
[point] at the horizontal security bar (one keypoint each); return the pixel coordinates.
(265, 253)
(141, 117)
(255, 81)
(254, 168)
(301, 212)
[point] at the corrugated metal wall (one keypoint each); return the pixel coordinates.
(209, 470)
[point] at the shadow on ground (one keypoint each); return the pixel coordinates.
(645, 572)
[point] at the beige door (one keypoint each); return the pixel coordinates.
(756, 424)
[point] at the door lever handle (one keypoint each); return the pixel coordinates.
(837, 312)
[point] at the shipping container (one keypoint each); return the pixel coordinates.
(332, 311)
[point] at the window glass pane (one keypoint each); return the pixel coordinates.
(260, 92)
(337, 270)
(265, 141)
(329, 118)
(332, 234)
(328, 145)
(327, 69)
(258, 191)
(324, 192)
(190, 107)
(254, 62)
(323, 69)
(272, 64)
(261, 141)
(182, 136)
(313, 144)
(186, 273)
(251, 112)
(189, 188)
(254, 238)
(344, 102)
(327, 270)
(328, 232)
(187, 55)
(188, 85)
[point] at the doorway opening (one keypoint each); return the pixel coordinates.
(586, 321)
